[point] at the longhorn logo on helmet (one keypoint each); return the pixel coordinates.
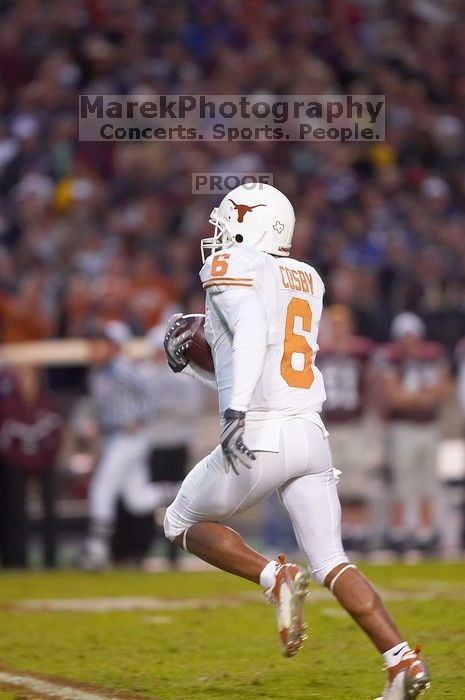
(243, 209)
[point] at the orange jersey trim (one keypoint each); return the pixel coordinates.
(229, 279)
(222, 283)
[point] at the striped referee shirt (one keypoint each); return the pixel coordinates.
(121, 394)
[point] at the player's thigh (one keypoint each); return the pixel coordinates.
(304, 449)
(209, 493)
(313, 506)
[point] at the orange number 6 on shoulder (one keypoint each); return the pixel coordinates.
(220, 265)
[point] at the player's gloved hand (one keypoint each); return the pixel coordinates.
(232, 441)
(178, 339)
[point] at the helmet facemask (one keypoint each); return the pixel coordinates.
(220, 239)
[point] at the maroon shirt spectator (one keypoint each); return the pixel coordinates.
(419, 373)
(415, 383)
(344, 370)
(30, 434)
(343, 359)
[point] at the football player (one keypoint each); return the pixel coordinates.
(262, 314)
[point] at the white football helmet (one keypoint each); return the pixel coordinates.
(257, 215)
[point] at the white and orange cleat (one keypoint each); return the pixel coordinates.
(408, 679)
(288, 594)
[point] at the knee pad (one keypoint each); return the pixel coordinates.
(169, 525)
(320, 571)
(172, 530)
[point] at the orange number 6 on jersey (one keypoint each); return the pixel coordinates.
(296, 343)
(220, 265)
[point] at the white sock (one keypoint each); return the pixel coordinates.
(393, 656)
(268, 575)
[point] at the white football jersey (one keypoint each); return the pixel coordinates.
(292, 296)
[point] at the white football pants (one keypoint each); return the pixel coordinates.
(122, 473)
(301, 472)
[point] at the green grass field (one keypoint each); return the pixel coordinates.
(224, 645)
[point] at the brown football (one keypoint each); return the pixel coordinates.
(199, 352)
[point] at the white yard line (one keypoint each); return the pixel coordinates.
(129, 603)
(50, 689)
(153, 603)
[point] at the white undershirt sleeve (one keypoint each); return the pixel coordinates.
(244, 313)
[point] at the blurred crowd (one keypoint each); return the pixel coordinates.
(92, 233)
(110, 231)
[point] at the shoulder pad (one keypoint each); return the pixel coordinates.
(233, 267)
